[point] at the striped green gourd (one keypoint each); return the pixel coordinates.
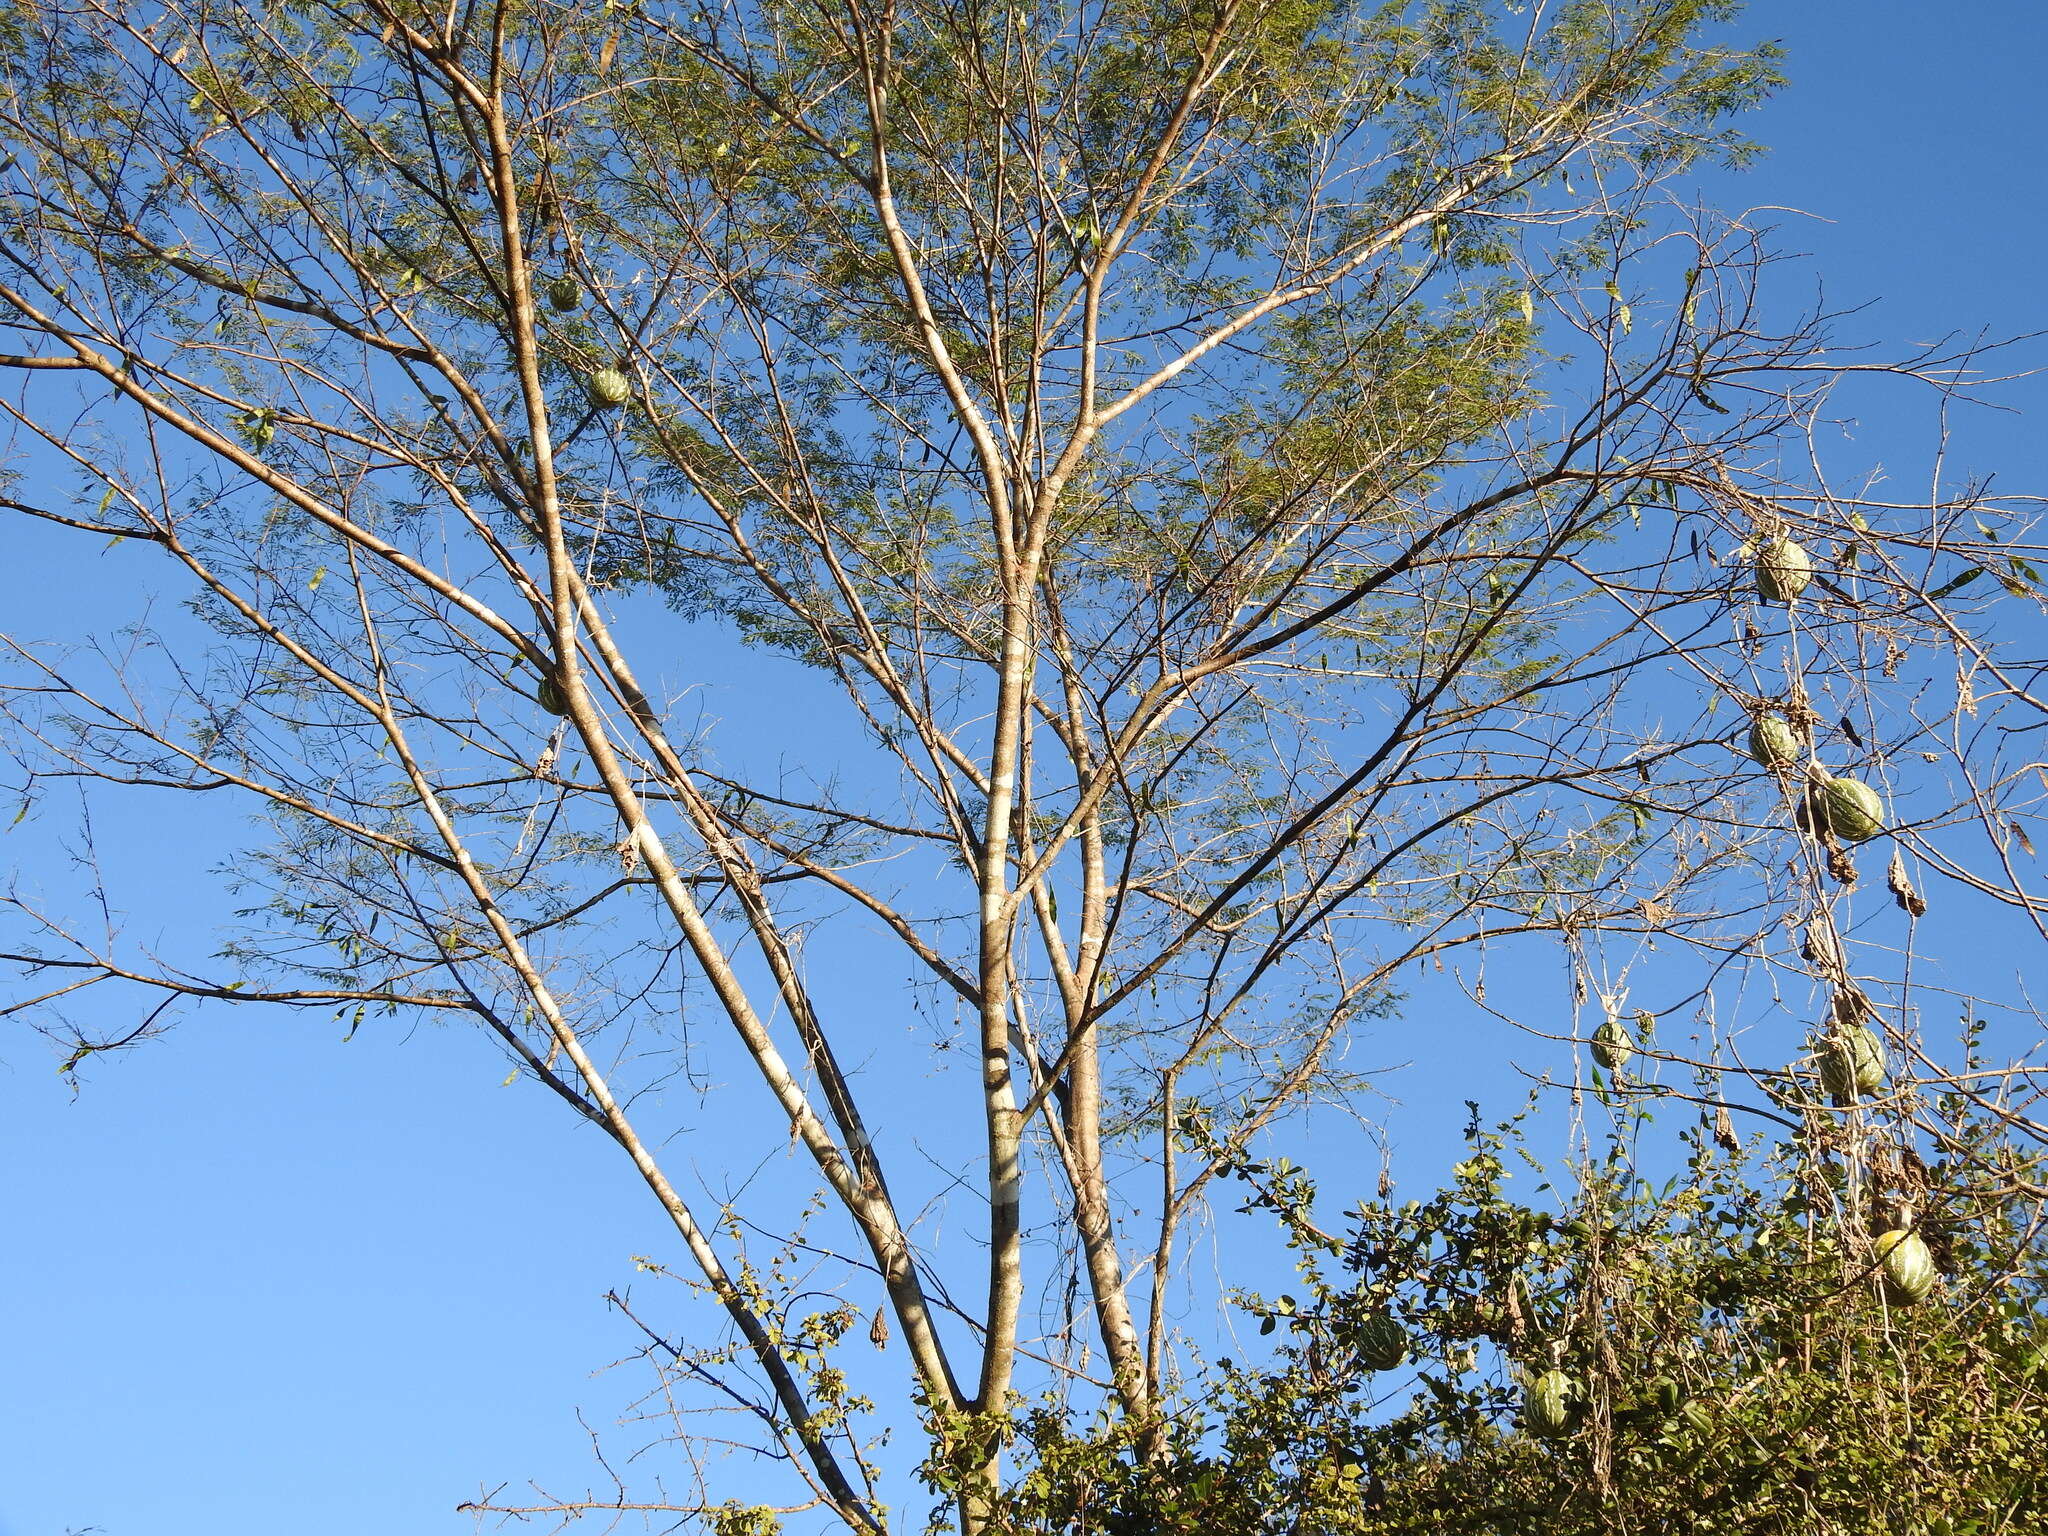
(1783, 570)
(1908, 1266)
(609, 388)
(1852, 1063)
(1611, 1046)
(1550, 1405)
(1772, 742)
(1381, 1344)
(1849, 808)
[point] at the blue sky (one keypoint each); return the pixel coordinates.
(258, 1279)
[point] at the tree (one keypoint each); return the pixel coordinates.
(1279, 493)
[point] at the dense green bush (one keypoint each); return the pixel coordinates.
(1733, 1358)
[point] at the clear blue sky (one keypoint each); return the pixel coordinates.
(259, 1281)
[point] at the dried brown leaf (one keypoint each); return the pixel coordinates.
(1901, 885)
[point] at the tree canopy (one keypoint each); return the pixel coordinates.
(1276, 497)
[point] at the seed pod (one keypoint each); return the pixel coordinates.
(1852, 1063)
(609, 388)
(1772, 742)
(1783, 570)
(1908, 1267)
(1611, 1047)
(1849, 808)
(1550, 1405)
(1381, 1344)
(564, 293)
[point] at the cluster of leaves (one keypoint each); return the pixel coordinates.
(1735, 1363)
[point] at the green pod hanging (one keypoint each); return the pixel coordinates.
(1852, 1063)
(1908, 1267)
(1381, 1344)
(1772, 742)
(1550, 1405)
(609, 389)
(1611, 1046)
(1849, 808)
(1783, 570)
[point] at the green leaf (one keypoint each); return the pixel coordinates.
(1621, 311)
(1955, 585)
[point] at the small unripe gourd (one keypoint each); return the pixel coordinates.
(1849, 808)
(1852, 1063)
(1908, 1266)
(1772, 742)
(1611, 1046)
(609, 388)
(1783, 570)
(552, 699)
(1550, 1406)
(1381, 1345)
(564, 294)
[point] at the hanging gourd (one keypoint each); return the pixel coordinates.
(1772, 742)
(564, 293)
(1550, 1406)
(1381, 1344)
(1908, 1267)
(609, 389)
(1611, 1046)
(552, 699)
(1849, 808)
(1852, 1063)
(1783, 570)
